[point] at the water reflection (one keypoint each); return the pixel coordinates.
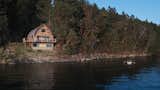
(26, 77)
(94, 75)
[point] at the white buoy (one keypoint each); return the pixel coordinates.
(129, 62)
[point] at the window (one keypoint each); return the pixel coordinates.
(43, 30)
(49, 45)
(43, 38)
(34, 44)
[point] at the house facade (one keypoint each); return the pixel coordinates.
(40, 38)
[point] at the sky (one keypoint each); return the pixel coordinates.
(143, 9)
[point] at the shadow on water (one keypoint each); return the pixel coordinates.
(92, 75)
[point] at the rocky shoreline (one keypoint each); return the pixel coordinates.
(17, 53)
(70, 58)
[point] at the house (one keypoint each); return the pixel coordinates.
(40, 38)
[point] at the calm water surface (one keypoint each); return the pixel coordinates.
(94, 75)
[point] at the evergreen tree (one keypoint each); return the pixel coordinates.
(67, 19)
(3, 23)
(43, 10)
(25, 15)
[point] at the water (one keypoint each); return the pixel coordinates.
(94, 75)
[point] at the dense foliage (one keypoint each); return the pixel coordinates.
(79, 26)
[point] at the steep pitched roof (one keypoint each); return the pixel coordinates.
(34, 31)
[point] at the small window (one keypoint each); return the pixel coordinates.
(43, 30)
(49, 45)
(34, 44)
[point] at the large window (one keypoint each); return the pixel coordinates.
(43, 38)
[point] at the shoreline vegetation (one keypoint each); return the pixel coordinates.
(18, 53)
